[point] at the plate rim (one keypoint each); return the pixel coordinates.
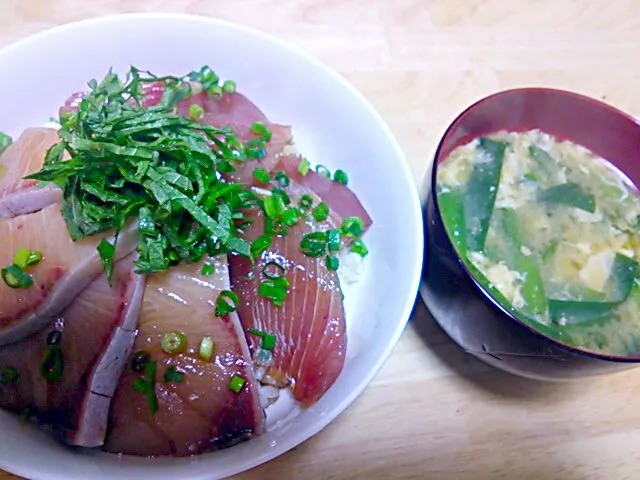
(403, 166)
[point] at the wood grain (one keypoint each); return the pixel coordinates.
(434, 412)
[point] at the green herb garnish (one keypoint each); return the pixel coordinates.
(16, 277)
(128, 161)
(26, 258)
(226, 303)
(173, 342)
(146, 385)
(171, 374)
(236, 383)
(52, 366)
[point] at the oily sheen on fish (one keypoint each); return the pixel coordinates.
(237, 112)
(66, 268)
(340, 198)
(310, 328)
(201, 412)
(97, 332)
(24, 157)
(310, 325)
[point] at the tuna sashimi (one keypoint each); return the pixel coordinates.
(24, 157)
(97, 332)
(310, 325)
(66, 268)
(200, 412)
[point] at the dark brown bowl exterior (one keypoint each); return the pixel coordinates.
(467, 312)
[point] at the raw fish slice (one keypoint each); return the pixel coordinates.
(341, 200)
(24, 157)
(310, 325)
(66, 269)
(200, 412)
(228, 108)
(98, 330)
(280, 138)
(237, 112)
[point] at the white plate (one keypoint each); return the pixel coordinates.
(332, 124)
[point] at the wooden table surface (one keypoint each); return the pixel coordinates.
(434, 412)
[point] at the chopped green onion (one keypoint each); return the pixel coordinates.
(323, 171)
(340, 176)
(236, 383)
(206, 348)
(273, 270)
(25, 258)
(291, 216)
(196, 112)
(229, 86)
(282, 194)
(314, 244)
(171, 374)
(268, 339)
(261, 175)
(260, 244)
(320, 212)
(5, 141)
(226, 303)
(208, 269)
(332, 262)
(147, 385)
(333, 240)
(139, 361)
(173, 342)
(8, 375)
(359, 247)
(206, 77)
(303, 167)
(107, 253)
(269, 342)
(262, 130)
(305, 202)
(52, 365)
(281, 179)
(254, 148)
(274, 206)
(281, 282)
(352, 226)
(15, 277)
(274, 290)
(54, 337)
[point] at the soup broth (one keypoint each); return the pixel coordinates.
(552, 231)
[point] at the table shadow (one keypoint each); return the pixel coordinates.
(477, 373)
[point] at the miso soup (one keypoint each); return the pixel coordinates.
(552, 232)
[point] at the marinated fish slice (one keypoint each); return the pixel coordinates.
(24, 157)
(341, 200)
(97, 332)
(200, 412)
(66, 268)
(309, 327)
(237, 112)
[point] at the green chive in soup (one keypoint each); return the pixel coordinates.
(552, 232)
